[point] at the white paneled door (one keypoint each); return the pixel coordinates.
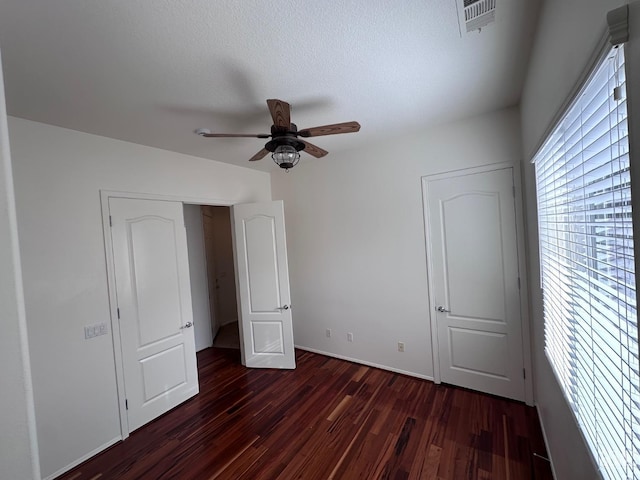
(154, 302)
(473, 256)
(265, 323)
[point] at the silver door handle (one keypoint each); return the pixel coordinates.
(285, 307)
(187, 325)
(440, 308)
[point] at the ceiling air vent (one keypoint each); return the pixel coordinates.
(475, 14)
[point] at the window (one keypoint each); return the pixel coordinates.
(587, 268)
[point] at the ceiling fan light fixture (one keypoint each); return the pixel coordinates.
(286, 156)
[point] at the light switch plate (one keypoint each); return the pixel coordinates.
(96, 330)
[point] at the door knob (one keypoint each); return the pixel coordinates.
(285, 307)
(440, 308)
(187, 325)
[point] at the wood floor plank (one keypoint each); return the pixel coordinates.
(327, 419)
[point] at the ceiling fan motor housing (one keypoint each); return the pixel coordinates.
(284, 137)
(284, 140)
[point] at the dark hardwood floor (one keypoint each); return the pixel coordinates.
(328, 419)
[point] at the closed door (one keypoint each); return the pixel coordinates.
(154, 302)
(265, 323)
(473, 255)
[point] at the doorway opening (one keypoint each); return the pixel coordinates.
(212, 274)
(146, 246)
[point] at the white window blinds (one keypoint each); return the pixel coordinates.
(587, 268)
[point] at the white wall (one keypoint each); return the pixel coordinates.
(567, 36)
(58, 176)
(18, 444)
(198, 277)
(356, 238)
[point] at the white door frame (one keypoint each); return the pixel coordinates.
(522, 268)
(111, 284)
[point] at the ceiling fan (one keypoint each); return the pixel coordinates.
(286, 144)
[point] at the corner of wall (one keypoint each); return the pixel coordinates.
(18, 446)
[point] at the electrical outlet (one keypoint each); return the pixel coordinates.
(349, 337)
(89, 332)
(328, 333)
(401, 346)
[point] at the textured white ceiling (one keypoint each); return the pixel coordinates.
(151, 72)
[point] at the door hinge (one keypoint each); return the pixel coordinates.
(118, 311)
(518, 283)
(126, 404)
(110, 221)
(524, 373)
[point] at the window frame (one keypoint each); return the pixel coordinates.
(594, 66)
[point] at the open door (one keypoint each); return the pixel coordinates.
(154, 306)
(265, 323)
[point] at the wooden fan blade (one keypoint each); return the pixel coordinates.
(280, 112)
(346, 127)
(260, 155)
(236, 135)
(311, 149)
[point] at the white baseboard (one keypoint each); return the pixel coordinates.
(546, 442)
(363, 362)
(208, 345)
(83, 458)
(215, 334)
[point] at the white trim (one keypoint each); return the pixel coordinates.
(521, 235)
(111, 286)
(522, 267)
(219, 202)
(84, 458)
(364, 362)
(435, 349)
(546, 443)
(113, 306)
(490, 167)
